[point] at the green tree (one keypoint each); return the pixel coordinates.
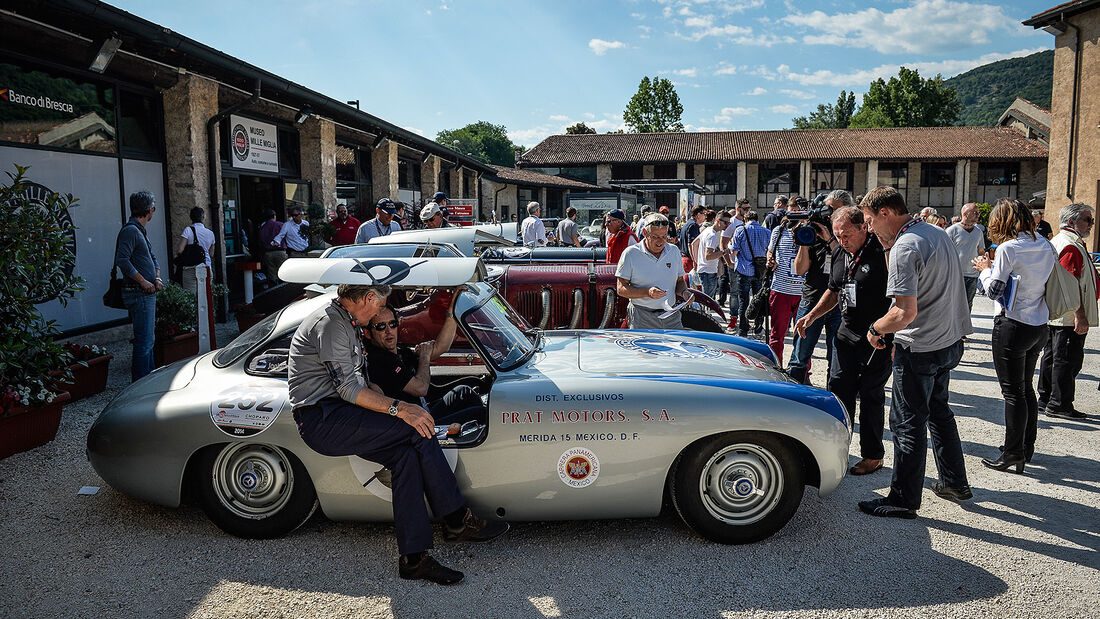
(484, 141)
(579, 128)
(654, 108)
(908, 100)
(830, 116)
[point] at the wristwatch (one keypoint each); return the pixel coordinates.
(393, 408)
(873, 331)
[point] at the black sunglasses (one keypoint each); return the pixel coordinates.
(381, 326)
(658, 224)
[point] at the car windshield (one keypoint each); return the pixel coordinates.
(503, 334)
(256, 334)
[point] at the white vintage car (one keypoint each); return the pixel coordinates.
(577, 425)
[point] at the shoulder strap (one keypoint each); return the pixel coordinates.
(118, 239)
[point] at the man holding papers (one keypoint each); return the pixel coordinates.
(651, 275)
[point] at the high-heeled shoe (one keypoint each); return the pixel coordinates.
(1003, 464)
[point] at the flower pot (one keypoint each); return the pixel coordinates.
(27, 427)
(246, 321)
(88, 379)
(175, 348)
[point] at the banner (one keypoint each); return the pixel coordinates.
(253, 145)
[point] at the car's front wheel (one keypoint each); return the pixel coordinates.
(739, 487)
(253, 490)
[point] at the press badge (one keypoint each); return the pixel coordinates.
(790, 271)
(850, 294)
(828, 266)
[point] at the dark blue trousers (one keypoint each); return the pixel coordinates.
(919, 407)
(417, 463)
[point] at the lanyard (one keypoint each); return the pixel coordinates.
(378, 226)
(853, 261)
(905, 228)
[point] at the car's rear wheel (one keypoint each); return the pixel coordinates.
(697, 320)
(254, 490)
(739, 487)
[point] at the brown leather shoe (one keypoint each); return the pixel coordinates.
(474, 529)
(865, 466)
(428, 569)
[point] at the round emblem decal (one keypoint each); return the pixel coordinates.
(667, 348)
(239, 140)
(248, 409)
(578, 467)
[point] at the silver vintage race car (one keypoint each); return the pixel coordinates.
(577, 424)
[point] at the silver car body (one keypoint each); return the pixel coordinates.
(630, 401)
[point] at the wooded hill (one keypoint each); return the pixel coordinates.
(988, 90)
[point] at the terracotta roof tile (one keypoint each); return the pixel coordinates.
(516, 175)
(909, 143)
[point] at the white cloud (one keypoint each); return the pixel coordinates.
(926, 26)
(757, 91)
(600, 47)
(765, 40)
(638, 15)
(726, 115)
(533, 135)
(798, 94)
(703, 27)
(784, 109)
(559, 118)
(765, 72)
(725, 69)
(862, 77)
(691, 72)
(589, 115)
(644, 28)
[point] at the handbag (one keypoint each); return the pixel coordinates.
(759, 263)
(192, 255)
(1063, 291)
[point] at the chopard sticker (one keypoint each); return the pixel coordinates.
(578, 467)
(247, 410)
(667, 348)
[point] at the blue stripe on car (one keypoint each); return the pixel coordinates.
(757, 347)
(803, 394)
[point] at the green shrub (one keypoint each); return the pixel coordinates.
(177, 311)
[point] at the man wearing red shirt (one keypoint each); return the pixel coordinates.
(346, 226)
(619, 235)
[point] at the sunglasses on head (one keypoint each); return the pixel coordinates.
(724, 220)
(658, 224)
(381, 326)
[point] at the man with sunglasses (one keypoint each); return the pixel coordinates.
(294, 235)
(646, 273)
(339, 414)
(404, 372)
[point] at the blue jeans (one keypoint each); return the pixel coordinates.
(804, 346)
(735, 290)
(918, 406)
(971, 285)
(746, 287)
(143, 313)
(709, 282)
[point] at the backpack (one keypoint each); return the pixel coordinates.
(193, 254)
(1063, 292)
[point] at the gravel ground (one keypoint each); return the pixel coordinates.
(1024, 546)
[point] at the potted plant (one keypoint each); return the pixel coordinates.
(320, 230)
(177, 321)
(247, 316)
(87, 371)
(37, 261)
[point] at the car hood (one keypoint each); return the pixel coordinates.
(665, 353)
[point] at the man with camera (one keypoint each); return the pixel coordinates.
(749, 250)
(929, 318)
(814, 261)
(857, 283)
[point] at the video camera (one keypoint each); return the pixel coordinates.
(810, 213)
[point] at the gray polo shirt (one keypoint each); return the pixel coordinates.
(326, 358)
(968, 245)
(643, 270)
(923, 264)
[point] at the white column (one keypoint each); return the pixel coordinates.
(681, 170)
(805, 187)
(742, 179)
(202, 305)
(872, 174)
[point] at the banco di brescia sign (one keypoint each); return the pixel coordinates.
(40, 101)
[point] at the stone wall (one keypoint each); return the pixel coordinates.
(383, 162)
(317, 143)
(187, 107)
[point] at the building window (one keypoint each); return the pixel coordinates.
(353, 180)
(721, 178)
(139, 123)
(689, 171)
(998, 179)
(626, 171)
(664, 170)
(526, 195)
(45, 109)
(775, 180)
(826, 177)
(290, 153)
(893, 174)
(408, 174)
(937, 185)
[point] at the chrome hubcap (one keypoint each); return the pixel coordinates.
(741, 483)
(253, 481)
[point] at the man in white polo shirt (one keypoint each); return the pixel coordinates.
(646, 273)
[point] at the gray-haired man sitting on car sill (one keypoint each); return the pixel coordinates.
(338, 414)
(404, 372)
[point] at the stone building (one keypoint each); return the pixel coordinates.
(1029, 119)
(506, 192)
(943, 167)
(101, 103)
(1074, 171)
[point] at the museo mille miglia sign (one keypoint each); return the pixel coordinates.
(253, 145)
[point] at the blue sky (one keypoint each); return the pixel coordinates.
(537, 67)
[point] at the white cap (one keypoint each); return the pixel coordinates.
(430, 210)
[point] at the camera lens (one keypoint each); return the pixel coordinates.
(805, 235)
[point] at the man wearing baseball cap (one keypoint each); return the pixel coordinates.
(619, 235)
(432, 216)
(382, 224)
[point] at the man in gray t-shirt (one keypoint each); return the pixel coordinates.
(970, 242)
(928, 320)
(568, 234)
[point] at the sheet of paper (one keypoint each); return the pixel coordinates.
(671, 309)
(88, 490)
